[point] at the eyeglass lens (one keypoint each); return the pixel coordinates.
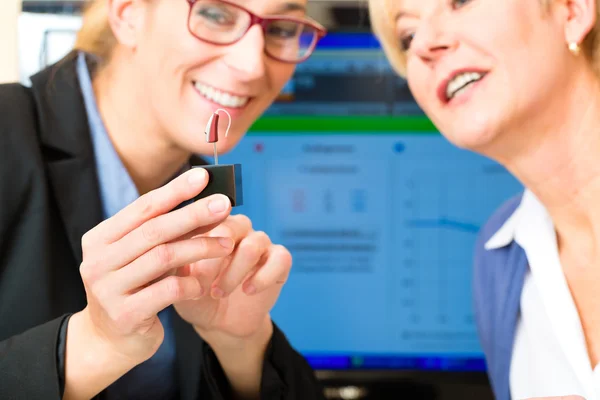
(223, 23)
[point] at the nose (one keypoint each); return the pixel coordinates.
(247, 57)
(433, 40)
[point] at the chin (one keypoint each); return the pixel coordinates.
(470, 136)
(228, 145)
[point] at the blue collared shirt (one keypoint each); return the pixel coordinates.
(155, 378)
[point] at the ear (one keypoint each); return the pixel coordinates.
(581, 18)
(124, 18)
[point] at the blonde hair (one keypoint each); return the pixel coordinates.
(95, 35)
(383, 27)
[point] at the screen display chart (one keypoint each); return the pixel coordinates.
(381, 228)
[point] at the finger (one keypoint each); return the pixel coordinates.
(245, 257)
(149, 301)
(168, 227)
(236, 227)
(150, 205)
(165, 257)
(207, 271)
(275, 271)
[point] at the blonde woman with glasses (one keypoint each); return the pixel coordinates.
(113, 283)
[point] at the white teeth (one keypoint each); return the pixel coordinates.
(460, 82)
(221, 98)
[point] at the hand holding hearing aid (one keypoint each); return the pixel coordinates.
(128, 259)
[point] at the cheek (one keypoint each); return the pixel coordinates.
(422, 92)
(278, 75)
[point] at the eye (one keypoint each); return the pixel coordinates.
(458, 3)
(216, 15)
(283, 30)
(405, 41)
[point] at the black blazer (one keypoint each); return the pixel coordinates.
(49, 197)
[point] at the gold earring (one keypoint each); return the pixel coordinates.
(574, 48)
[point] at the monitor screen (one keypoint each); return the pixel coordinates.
(379, 211)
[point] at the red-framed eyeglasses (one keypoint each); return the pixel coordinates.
(221, 22)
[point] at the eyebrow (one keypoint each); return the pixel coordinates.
(400, 14)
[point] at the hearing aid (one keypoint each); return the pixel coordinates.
(226, 178)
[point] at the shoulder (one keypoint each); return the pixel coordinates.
(19, 131)
(13, 89)
(18, 120)
(13, 98)
(20, 152)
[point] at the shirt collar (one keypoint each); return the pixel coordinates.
(117, 189)
(506, 233)
(529, 220)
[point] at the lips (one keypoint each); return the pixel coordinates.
(457, 82)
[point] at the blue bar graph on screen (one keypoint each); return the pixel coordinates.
(444, 222)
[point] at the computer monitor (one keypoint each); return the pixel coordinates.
(379, 211)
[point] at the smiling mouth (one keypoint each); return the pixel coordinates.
(220, 97)
(460, 83)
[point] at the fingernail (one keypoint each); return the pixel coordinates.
(226, 242)
(197, 175)
(250, 289)
(218, 204)
(217, 292)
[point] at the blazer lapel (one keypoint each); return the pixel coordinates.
(509, 286)
(67, 149)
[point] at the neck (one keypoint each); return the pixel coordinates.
(558, 159)
(147, 154)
